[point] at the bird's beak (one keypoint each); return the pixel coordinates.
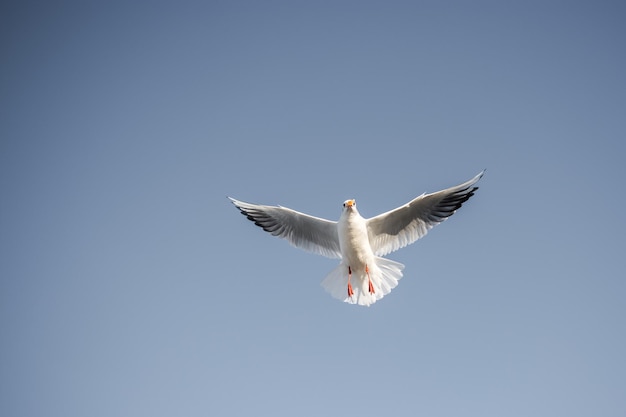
(350, 203)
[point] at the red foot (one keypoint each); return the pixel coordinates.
(350, 292)
(371, 286)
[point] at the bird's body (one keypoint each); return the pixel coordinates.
(363, 275)
(352, 232)
(364, 279)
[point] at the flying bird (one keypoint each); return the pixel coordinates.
(363, 276)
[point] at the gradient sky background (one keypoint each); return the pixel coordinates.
(130, 286)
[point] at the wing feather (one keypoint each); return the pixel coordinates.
(306, 232)
(404, 225)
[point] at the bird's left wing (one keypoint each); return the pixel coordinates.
(397, 228)
(306, 232)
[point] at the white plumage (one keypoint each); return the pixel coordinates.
(363, 275)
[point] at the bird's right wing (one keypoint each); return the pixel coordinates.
(306, 232)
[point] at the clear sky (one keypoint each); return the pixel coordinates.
(130, 286)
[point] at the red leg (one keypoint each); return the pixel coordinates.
(350, 291)
(371, 286)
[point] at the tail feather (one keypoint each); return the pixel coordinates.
(384, 274)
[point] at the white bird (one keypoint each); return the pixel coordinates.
(363, 276)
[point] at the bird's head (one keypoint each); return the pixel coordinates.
(349, 205)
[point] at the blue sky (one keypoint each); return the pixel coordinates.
(129, 285)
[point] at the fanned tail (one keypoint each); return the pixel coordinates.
(384, 275)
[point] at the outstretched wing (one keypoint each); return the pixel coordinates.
(306, 232)
(397, 228)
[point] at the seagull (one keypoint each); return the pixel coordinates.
(363, 276)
